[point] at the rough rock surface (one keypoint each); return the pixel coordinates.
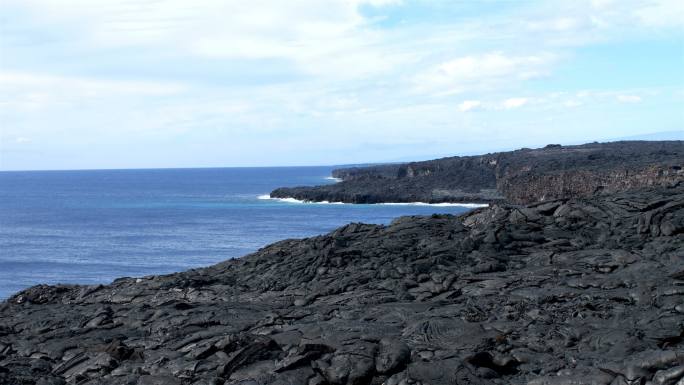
(566, 292)
(522, 176)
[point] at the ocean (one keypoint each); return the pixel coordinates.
(91, 227)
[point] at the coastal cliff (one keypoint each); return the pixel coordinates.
(568, 291)
(522, 176)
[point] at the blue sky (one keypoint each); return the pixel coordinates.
(172, 83)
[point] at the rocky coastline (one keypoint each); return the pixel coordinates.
(523, 176)
(584, 290)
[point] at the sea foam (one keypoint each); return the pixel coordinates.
(293, 200)
(444, 204)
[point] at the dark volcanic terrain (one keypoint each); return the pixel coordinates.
(522, 176)
(562, 292)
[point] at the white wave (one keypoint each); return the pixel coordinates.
(446, 204)
(293, 200)
(333, 178)
(288, 200)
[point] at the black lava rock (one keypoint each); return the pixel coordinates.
(570, 291)
(523, 176)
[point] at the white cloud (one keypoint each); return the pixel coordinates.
(572, 103)
(35, 93)
(582, 22)
(477, 71)
(492, 64)
(514, 103)
(21, 139)
(628, 98)
(468, 105)
(560, 24)
(602, 4)
(661, 13)
(86, 86)
(318, 37)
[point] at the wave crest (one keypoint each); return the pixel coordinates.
(293, 200)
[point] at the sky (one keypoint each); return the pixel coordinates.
(217, 83)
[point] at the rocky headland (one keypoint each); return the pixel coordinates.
(571, 291)
(522, 176)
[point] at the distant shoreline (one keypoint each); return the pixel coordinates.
(521, 177)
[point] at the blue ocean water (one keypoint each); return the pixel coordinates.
(94, 226)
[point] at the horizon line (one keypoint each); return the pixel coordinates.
(330, 165)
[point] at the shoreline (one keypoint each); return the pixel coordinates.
(443, 204)
(522, 176)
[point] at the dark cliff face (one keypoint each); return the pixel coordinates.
(522, 176)
(572, 291)
(560, 172)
